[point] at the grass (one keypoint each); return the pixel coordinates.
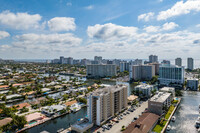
(158, 128)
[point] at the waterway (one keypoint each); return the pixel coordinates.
(186, 114)
(63, 122)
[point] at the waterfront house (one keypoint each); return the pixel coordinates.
(34, 117)
(51, 110)
(22, 105)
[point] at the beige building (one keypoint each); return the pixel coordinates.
(106, 102)
(158, 102)
(101, 70)
(142, 72)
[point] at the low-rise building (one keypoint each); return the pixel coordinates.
(159, 102)
(5, 121)
(144, 90)
(82, 126)
(193, 84)
(168, 89)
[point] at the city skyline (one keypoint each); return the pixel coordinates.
(48, 29)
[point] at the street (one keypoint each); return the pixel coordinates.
(127, 119)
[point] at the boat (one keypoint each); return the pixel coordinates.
(197, 123)
(173, 118)
(168, 127)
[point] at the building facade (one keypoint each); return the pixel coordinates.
(171, 74)
(124, 66)
(159, 102)
(178, 61)
(153, 58)
(101, 70)
(193, 84)
(142, 72)
(190, 63)
(144, 90)
(105, 103)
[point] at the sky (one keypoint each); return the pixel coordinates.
(124, 29)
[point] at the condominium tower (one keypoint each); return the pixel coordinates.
(153, 58)
(171, 74)
(142, 72)
(178, 61)
(105, 103)
(190, 63)
(101, 70)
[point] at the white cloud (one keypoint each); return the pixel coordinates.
(152, 28)
(165, 27)
(180, 8)
(20, 20)
(110, 31)
(62, 24)
(146, 16)
(170, 26)
(90, 7)
(198, 25)
(4, 34)
(69, 4)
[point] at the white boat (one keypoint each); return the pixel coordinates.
(197, 123)
(173, 118)
(168, 127)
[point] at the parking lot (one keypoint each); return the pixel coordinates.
(127, 118)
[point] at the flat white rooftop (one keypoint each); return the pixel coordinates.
(160, 97)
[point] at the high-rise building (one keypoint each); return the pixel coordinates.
(190, 63)
(85, 62)
(165, 62)
(178, 61)
(124, 66)
(171, 74)
(98, 59)
(105, 103)
(156, 67)
(101, 70)
(153, 58)
(61, 59)
(142, 72)
(193, 84)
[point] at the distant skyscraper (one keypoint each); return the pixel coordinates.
(178, 61)
(61, 59)
(190, 63)
(166, 62)
(153, 58)
(124, 66)
(98, 58)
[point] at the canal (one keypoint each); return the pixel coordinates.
(186, 114)
(64, 122)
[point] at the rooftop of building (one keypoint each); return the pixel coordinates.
(107, 89)
(167, 89)
(144, 86)
(192, 79)
(5, 121)
(143, 124)
(160, 97)
(171, 66)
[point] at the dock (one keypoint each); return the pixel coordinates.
(163, 130)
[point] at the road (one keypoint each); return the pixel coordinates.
(126, 119)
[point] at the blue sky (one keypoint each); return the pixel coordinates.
(46, 29)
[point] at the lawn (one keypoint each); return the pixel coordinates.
(158, 128)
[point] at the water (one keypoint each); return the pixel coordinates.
(62, 122)
(186, 114)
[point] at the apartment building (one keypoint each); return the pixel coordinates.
(142, 72)
(101, 70)
(124, 66)
(193, 84)
(171, 74)
(153, 58)
(190, 63)
(104, 103)
(158, 103)
(144, 89)
(178, 61)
